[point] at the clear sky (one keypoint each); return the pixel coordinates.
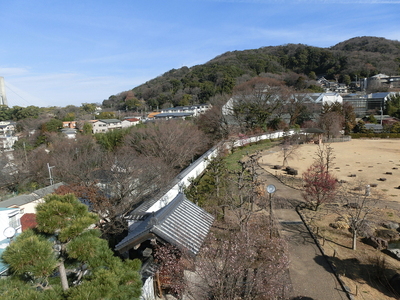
(56, 53)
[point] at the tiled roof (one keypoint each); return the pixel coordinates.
(180, 223)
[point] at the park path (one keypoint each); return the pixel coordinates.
(311, 275)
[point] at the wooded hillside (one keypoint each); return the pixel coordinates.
(293, 63)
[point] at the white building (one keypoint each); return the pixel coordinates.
(104, 125)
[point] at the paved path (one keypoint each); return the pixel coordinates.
(310, 273)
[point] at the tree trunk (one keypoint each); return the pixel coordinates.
(354, 247)
(63, 275)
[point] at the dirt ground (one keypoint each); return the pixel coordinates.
(366, 270)
(372, 161)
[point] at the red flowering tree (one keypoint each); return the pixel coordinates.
(320, 185)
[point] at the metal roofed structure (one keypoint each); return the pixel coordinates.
(180, 223)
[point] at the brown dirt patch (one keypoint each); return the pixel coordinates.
(368, 159)
(365, 271)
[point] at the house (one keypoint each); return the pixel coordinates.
(174, 115)
(308, 98)
(180, 223)
(27, 203)
(105, 125)
(69, 132)
(129, 122)
(70, 124)
(7, 135)
(194, 110)
(9, 226)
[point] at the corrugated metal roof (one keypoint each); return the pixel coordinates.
(180, 223)
(35, 195)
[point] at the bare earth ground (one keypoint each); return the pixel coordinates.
(369, 160)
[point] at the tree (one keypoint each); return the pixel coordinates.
(346, 110)
(319, 185)
(255, 101)
(357, 203)
(332, 123)
(176, 142)
(226, 269)
(89, 107)
(87, 128)
(106, 115)
(393, 105)
(120, 182)
(63, 239)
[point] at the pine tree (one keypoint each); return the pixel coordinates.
(64, 243)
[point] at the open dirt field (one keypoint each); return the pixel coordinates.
(373, 161)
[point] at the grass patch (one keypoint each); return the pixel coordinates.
(240, 152)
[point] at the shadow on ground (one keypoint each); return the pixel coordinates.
(374, 273)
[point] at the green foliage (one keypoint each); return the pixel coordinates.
(32, 259)
(110, 140)
(360, 127)
(393, 105)
(221, 74)
(26, 246)
(54, 125)
(106, 115)
(64, 216)
(372, 119)
(87, 128)
(69, 117)
(90, 108)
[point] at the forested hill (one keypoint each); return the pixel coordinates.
(296, 64)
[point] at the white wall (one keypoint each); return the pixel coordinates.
(197, 168)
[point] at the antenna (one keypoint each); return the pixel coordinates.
(50, 175)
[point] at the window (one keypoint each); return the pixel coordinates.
(13, 221)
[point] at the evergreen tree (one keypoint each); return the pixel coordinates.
(64, 241)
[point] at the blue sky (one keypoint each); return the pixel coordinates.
(56, 53)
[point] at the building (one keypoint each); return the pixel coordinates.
(7, 135)
(10, 226)
(104, 125)
(128, 122)
(365, 104)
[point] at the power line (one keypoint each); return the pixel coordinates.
(8, 87)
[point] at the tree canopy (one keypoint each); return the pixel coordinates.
(64, 240)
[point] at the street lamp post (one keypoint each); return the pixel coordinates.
(270, 190)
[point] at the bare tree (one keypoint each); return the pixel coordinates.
(227, 269)
(254, 102)
(123, 182)
(242, 192)
(357, 204)
(176, 142)
(325, 156)
(332, 123)
(290, 148)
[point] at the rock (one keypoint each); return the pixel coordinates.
(376, 242)
(387, 234)
(389, 173)
(277, 167)
(382, 179)
(367, 229)
(352, 205)
(339, 225)
(390, 225)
